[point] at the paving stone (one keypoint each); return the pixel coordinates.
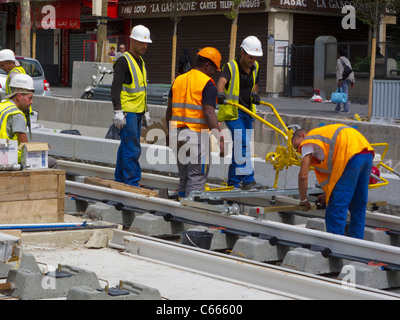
(98, 240)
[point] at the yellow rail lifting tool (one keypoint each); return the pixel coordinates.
(285, 156)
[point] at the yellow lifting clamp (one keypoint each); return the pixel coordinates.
(285, 156)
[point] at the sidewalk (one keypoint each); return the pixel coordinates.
(303, 106)
(284, 105)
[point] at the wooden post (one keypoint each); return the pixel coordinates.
(371, 75)
(173, 64)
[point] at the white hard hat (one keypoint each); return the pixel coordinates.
(252, 46)
(20, 83)
(140, 33)
(7, 55)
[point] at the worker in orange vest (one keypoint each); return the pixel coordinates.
(342, 160)
(191, 115)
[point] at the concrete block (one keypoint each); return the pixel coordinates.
(311, 262)
(69, 205)
(125, 291)
(99, 239)
(376, 235)
(370, 276)
(258, 249)
(30, 285)
(316, 224)
(152, 225)
(105, 212)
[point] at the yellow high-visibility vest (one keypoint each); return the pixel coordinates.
(7, 108)
(19, 70)
(339, 143)
(227, 111)
(133, 96)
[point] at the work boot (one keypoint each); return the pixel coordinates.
(252, 186)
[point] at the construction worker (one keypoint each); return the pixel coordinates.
(10, 66)
(191, 115)
(342, 160)
(13, 112)
(128, 94)
(239, 84)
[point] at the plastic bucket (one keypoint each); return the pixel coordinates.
(199, 239)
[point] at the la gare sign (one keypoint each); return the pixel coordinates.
(163, 8)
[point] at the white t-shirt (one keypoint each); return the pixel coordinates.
(315, 151)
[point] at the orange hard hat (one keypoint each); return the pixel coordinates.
(212, 54)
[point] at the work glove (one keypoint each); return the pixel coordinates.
(119, 119)
(221, 97)
(147, 118)
(256, 98)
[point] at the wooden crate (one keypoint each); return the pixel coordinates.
(32, 196)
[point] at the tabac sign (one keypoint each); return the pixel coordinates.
(164, 8)
(315, 5)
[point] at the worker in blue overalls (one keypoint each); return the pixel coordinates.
(239, 84)
(129, 98)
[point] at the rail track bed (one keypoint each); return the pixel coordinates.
(258, 229)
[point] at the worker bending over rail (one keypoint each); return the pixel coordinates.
(342, 160)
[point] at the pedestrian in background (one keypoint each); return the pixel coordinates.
(343, 83)
(190, 115)
(128, 95)
(121, 51)
(239, 84)
(342, 160)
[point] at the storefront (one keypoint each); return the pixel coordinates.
(202, 23)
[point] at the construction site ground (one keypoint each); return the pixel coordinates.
(68, 247)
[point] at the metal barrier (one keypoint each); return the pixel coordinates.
(156, 93)
(386, 99)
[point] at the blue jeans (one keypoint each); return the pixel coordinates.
(345, 87)
(241, 169)
(350, 194)
(127, 169)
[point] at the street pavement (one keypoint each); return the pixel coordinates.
(284, 105)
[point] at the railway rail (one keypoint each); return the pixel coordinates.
(244, 224)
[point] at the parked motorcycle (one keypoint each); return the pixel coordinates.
(96, 79)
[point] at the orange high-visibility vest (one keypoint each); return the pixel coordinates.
(339, 143)
(187, 110)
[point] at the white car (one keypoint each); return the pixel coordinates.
(34, 69)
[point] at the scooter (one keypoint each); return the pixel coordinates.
(96, 79)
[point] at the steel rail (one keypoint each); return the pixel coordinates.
(273, 279)
(338, 245)
(373, 219)
(108, 173)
